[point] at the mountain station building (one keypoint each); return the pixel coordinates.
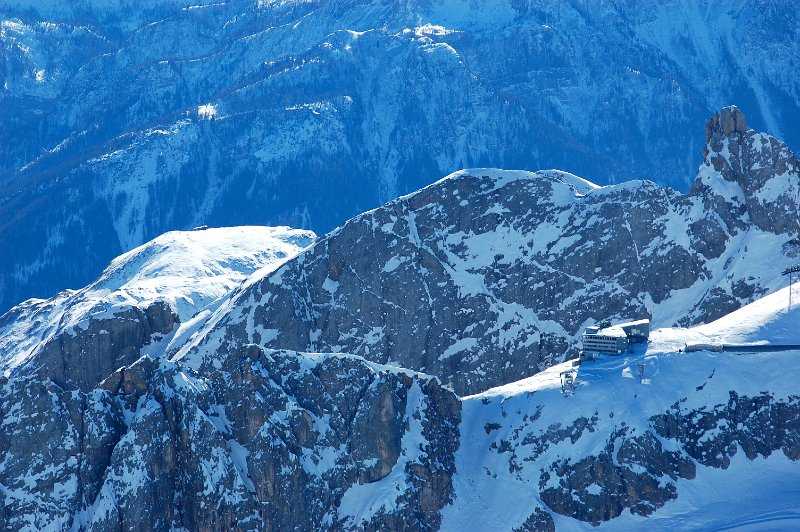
(613, 339)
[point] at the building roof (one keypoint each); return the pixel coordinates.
(614, 330)
(633, 323)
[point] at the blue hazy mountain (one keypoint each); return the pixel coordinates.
(122, 120)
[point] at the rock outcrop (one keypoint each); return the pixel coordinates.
(748, 178)
(86, 355)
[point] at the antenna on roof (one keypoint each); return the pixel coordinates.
(790, 272)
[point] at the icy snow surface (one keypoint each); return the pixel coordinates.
(748, 495)
(765, 321)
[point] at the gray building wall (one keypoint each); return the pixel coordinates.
(614, 345)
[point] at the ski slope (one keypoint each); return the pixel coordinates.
(765, 321)
(510, 435)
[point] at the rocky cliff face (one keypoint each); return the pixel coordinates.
(101, 432)
(85, 357)
(486, 275)
(262, 439)
(307, 113)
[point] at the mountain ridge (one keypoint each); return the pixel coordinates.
(501, 240)
(331, 440)
(540, 254)
(387, 375)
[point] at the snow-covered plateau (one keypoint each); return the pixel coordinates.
(404, 371)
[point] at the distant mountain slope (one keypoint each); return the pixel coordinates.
(488, 275)
(129, 119)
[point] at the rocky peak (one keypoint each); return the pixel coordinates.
(748, 176)
(725, 123)
(726, 134)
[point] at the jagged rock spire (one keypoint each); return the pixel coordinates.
(748, 176)
(725, 123)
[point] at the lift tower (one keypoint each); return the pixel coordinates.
(790, 272)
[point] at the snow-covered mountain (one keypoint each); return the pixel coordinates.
(100, 429)
(148, 298)
(657, 438)
(251, 378)
(244, 437)
(488, 275)
(115, 129)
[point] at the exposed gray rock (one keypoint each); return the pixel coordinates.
(252, 438)
(265, 440)
(486, 276)
(56, 447)
(748, 177)
(539, 521)
(757, 425)
(82, 357)
(629, 477)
